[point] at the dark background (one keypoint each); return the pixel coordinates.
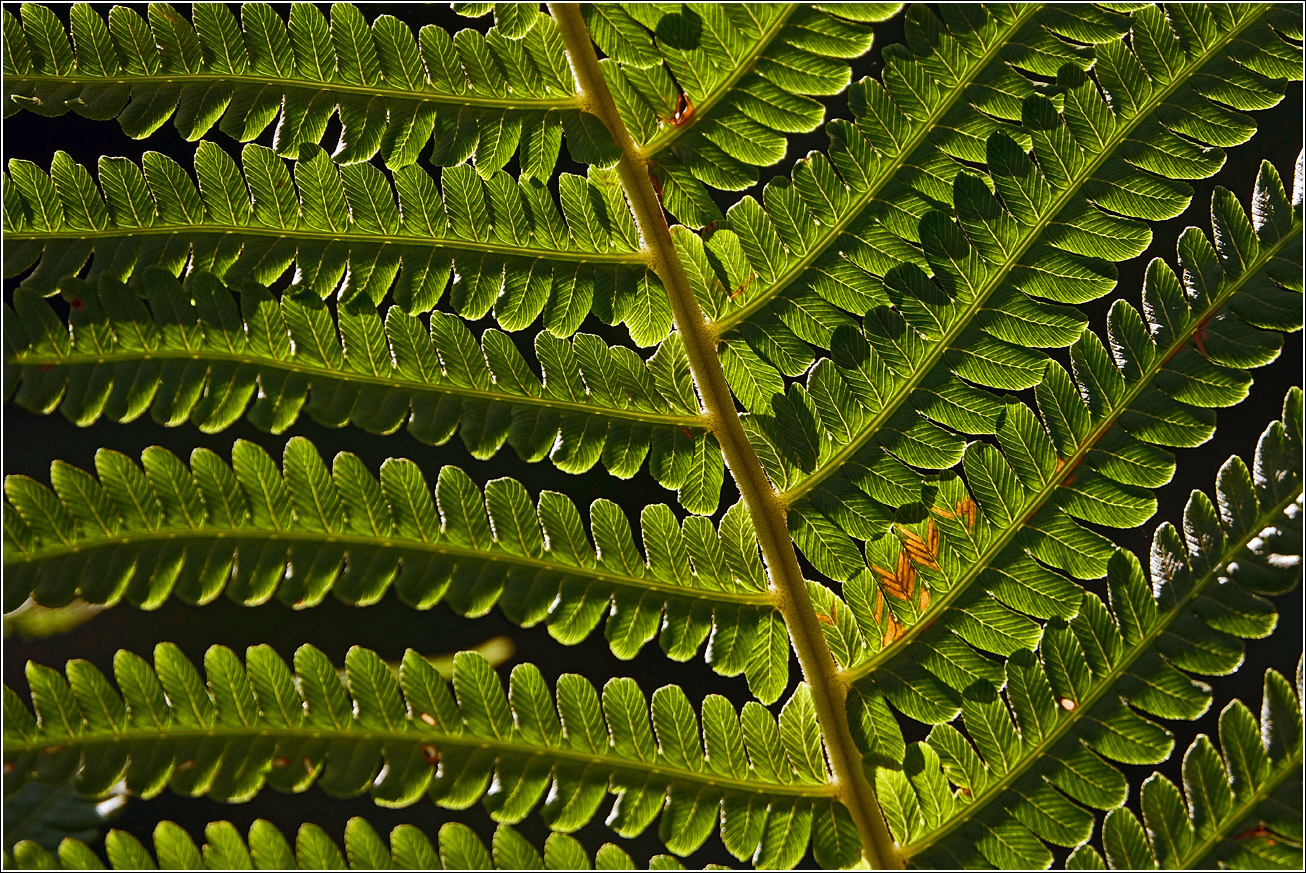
(32, 442)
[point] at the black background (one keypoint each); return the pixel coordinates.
(32, 442)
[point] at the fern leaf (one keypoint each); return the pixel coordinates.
(1092, 455)
(255, 532)
(748, 75)
(709, 92)
(211, 361)
(255, 724)
(488, 97)
(824, 244)
(910, 378)
(1237, 811)
(408, 848)
(981, 569)
(1084, 699)
(980, 320)
(502, 240)
(813, 239)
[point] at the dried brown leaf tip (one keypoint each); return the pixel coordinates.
(964, 509)
(1258, 831)
(892, 631)
(898, 582)
(1069, 468)
(922, 550)
(968, 510)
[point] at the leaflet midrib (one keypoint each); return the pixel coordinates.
(398, 382)
(357, 236)
(1102, 686)
(131, 735)
(505, 102)
(235, 535)
(855, 210)
(1010, 260)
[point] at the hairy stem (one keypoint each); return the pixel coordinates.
(828, 688)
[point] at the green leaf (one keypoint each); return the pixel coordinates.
(375, 726)
(315, 530)
(343, 231)
(1087, 695)
(379, 373)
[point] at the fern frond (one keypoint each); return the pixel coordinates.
(710, 92)
(198, 353)
(256, 724)
(256, 532)
(918, 362)
(741, 113)
(487, 98)
(265, 848)
(1092, 455)
(1241, 811)
(1084, 699)
(503, 241)
(823, 245)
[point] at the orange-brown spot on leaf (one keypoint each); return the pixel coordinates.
(1199, 337)
(744, 287)
(1067, 704)
(891, 632)
(683, 111)
(916, 547)
(431, 754)
(428, 718)
(896, 583)
(657, 183)
(967, 509)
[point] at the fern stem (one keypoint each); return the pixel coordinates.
(79, 357)
(424, 95)
(133, 737)
(828, 688)
(308, 234)
(237, 536)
